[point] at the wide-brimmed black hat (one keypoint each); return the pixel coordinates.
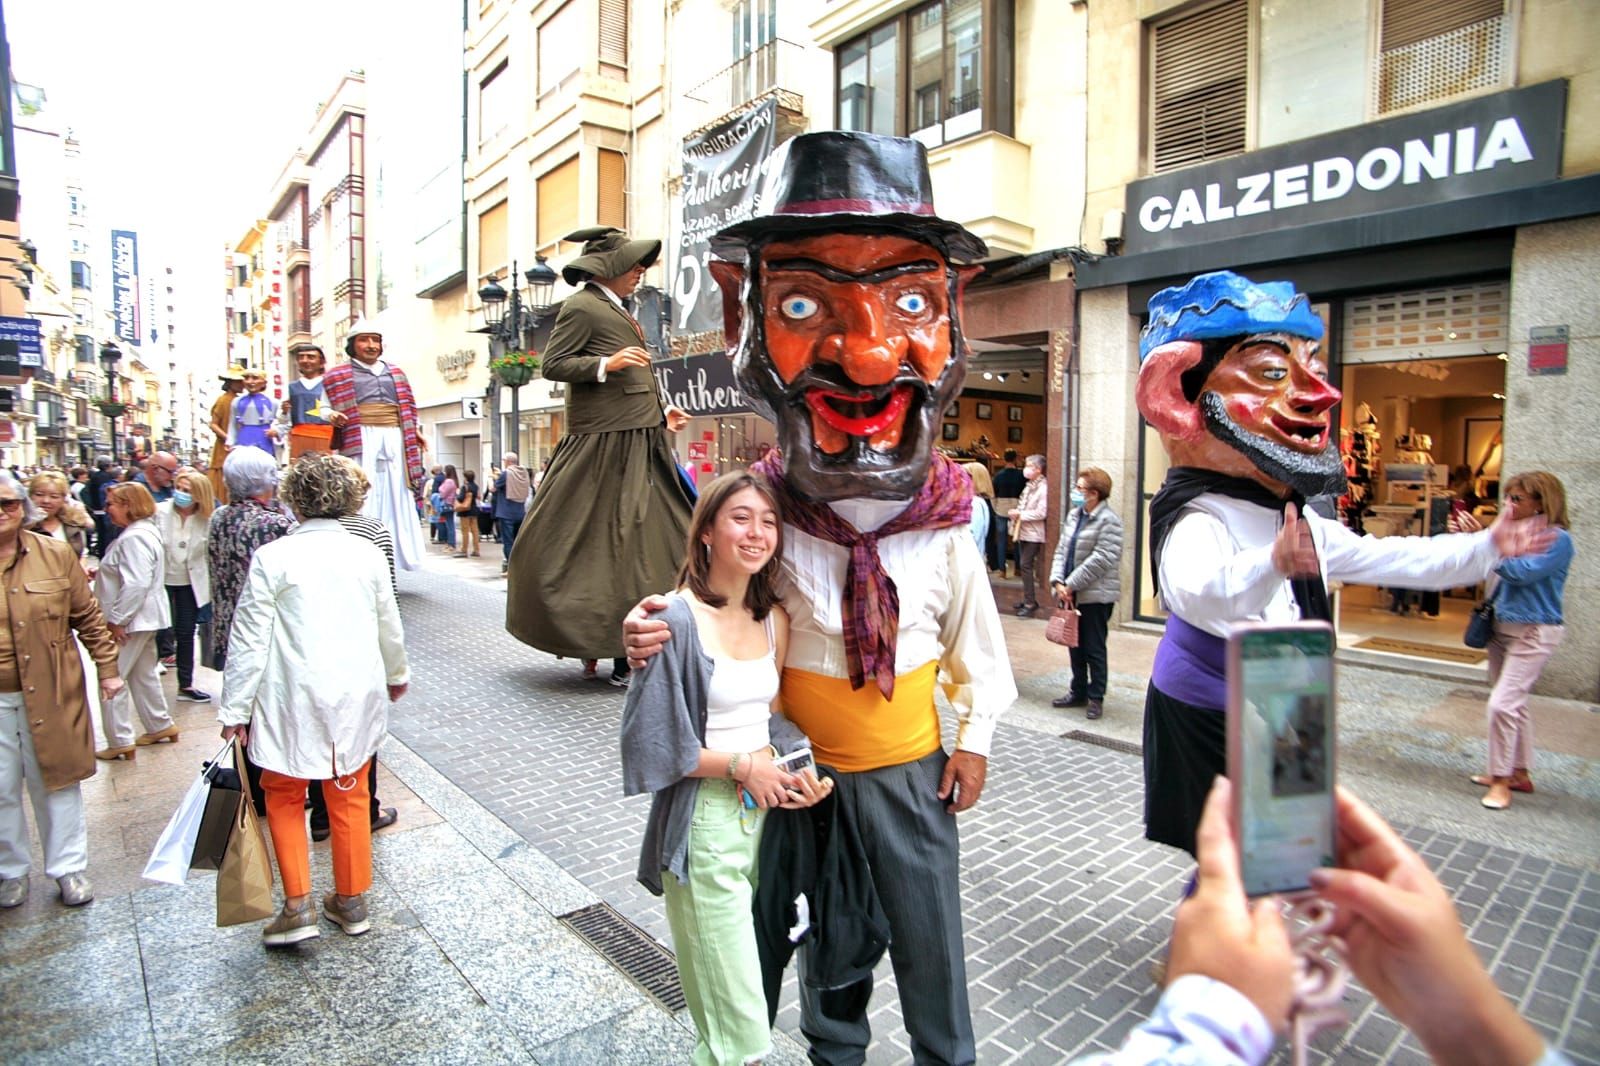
(822, 182)
(607, 253)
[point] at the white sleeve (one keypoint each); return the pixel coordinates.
(975, 671)
(1209, 582)
(249, 646)
(1198, 1022)
(1440, 562)
(391, 634)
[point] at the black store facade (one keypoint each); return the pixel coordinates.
(1405, 234)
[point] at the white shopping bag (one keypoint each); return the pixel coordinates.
(169, 862)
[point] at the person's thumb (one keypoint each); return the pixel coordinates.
(1266, 919)
(1360, 895)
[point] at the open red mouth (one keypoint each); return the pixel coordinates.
(859, 414)
(1303, 436)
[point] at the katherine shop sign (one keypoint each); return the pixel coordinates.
(1489, 144)
(700, 384)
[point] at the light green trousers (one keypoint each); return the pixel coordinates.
(713, 932)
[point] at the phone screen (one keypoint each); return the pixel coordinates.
(1281, 754)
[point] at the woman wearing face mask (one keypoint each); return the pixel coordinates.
(184, 522)
(1086, 574)
(61, 516)
(1027, 529)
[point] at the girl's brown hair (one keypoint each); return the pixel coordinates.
(695, 573)
(135, 497)
(1547, 491)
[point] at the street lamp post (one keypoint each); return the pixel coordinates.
(110, 355)
(508, 321)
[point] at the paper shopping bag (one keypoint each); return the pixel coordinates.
(244, 880)
(169, 861)
(205, 633)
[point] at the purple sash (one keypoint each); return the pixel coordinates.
(1191, 665)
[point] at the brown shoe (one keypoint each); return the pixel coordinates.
(109, 754)
(1519, 782)
(1095, 710)
(349, 915)
(160, 736)
(292, 926)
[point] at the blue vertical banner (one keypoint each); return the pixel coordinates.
(125, 284)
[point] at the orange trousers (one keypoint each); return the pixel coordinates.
(348, 817)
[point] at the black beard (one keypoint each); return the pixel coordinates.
(1321, 474)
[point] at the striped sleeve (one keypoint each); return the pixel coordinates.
(376, 532)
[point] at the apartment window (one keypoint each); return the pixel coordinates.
(557, 193)
(613, 203)
(81, 275)
(938, 72)
(559, 48)
(614, 32)
(1430, 51)
(1200, 86)
(494, 105)
(492, 247)
(85, 348)
(755, 49)
(74, 204)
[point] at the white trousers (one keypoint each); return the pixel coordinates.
(383, 458)
(136, 662)
(59, 813)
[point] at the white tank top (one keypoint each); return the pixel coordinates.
(739, 700)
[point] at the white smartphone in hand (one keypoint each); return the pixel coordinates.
(1282, 740)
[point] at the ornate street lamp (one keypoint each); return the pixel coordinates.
(509, 318)
(110, 355)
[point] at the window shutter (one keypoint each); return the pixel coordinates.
(492, 254)
(1431, 51)
(1201, 86)
(558, 202)
(614, 32)
(613, 209)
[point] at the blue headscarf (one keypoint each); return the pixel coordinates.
(1224, 304)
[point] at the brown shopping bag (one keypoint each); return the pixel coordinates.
(244, 880)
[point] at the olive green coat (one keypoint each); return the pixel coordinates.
(590, 329)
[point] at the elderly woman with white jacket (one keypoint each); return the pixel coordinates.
(315, 656)
(184, 521)
(128, 586)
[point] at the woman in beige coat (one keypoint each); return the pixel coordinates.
(46, 736)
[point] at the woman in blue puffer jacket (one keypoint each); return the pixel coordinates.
(1527, 628)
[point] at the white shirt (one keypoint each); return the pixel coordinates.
(1216, 568)
(184, 544)
(947, 612)
(316, 640)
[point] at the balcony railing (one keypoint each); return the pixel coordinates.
(775, 65)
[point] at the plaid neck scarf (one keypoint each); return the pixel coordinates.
(871, 608)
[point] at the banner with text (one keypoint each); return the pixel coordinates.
(721, 170)
(125, 284)
(700, 384)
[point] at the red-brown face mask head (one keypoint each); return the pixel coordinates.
(850, 344)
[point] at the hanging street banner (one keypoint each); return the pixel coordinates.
(721, 170)
(125, 284)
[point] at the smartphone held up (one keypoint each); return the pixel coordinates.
(1282, 739)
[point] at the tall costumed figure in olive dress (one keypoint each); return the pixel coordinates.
(608, 523)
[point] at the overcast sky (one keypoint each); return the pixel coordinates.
(187, 110)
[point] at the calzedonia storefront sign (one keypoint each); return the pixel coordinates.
(1489, 144)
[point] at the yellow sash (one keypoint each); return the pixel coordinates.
(379, 414)
(857, 729)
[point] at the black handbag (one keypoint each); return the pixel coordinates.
(216, 824)
(1480, 625)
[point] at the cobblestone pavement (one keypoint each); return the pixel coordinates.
(1066, 904)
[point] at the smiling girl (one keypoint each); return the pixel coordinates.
(699, 732)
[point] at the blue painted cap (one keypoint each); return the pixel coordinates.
(1224, 304)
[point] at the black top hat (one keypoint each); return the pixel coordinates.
(607, 253)
(836, 180)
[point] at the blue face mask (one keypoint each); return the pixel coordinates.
(182, 499)
(1077, 498)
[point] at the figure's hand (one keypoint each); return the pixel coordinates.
(1404, 942)
(110, 686)
(1464, 522)
(240, 731)
(1293, 553)
(626, 357)
(272, 434)
(118, 633)
(767, 785)
(1527, 536)
(808, 792)
(1219, 934)
(963, 778)
(643, 636)
(677, 418)
(396, 691)
(337, 418)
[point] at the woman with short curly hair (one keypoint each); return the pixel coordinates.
(315, 656)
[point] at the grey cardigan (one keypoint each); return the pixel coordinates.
(1097, 562)
(663, 731)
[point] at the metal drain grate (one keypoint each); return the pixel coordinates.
(1127, 747)
(631, 950)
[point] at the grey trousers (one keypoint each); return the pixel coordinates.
(913, 851)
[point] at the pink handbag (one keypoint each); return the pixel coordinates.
(1063, 628)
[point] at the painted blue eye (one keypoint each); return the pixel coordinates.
(912, 303)
(798, 307)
